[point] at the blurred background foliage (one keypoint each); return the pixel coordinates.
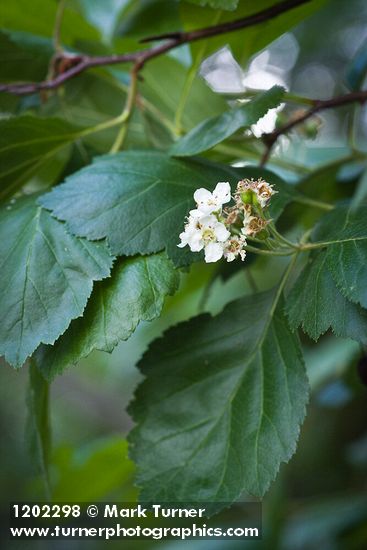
(319, 500)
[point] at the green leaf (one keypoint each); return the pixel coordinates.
(40, 19)
(165, 93)
(23, 54)
(215, 130)
(326, 182)
(360, 195)
(27, 143)
(217, 4)
(345, 231)
(148, 17)
(135, 292)
(221, 404)
(38, 431)
(102, 15)
(357, 69)
(316, 303)
(244, 43)
(138, 200)
(47, 278)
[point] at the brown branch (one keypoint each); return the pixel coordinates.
(318, 105)
(82, 63)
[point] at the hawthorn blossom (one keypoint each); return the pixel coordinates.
(222, 232)
(206, 233)
(208, 202)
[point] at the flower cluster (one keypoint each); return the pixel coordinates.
(221, 232)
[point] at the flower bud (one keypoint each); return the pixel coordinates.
(249, 197)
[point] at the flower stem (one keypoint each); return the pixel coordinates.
(280, 237)
(57, 28)
(126, 113)
(263, 252)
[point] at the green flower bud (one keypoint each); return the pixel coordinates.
(249, 197)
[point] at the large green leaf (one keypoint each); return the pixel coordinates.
(245, 42)
(221, 405)
(134, 293)
(148, 17)
(23, 54)
(46, 278)
(138, 200)
(165, 92)
(345, 232)
(316, 303)
(26, 144)
(102, 15)
(39, 16)
(215, 130)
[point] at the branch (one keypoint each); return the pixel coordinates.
(317, 106)
(74, 65)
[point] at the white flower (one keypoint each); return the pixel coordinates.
(206, 233)
(208, 202)
(217, 232)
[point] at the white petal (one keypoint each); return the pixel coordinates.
(221, 233)
(205, 201)
(202, 194)
(207, 208)
(196, 214)
(213, 252)
(195, 242)
(208, 221)
(222, 192)
(230, 256)
(184, 238)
